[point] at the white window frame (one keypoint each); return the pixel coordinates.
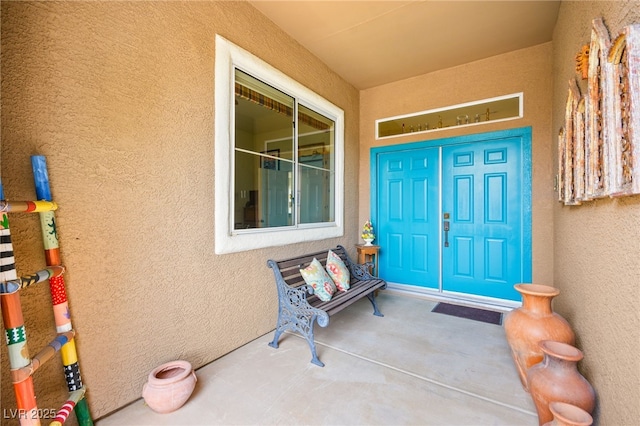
(227, 240)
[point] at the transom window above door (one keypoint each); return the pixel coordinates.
(281, 180)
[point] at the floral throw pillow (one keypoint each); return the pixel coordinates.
(317, 277)
(338, 271)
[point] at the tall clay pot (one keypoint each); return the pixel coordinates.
(556, 379)
(568, 415)
(533, 322)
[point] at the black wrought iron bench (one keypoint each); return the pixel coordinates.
(299, 308)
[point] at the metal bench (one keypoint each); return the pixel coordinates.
(299, 308)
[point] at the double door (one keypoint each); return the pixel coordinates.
(454, 215)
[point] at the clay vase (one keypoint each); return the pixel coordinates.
(169, 387)
(556, 379)
(533, 322)
(568, 415)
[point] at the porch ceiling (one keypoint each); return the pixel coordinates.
(370, 43)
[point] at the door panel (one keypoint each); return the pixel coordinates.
(481, 188)
(408, 217)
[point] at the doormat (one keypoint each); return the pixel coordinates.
(468, 312)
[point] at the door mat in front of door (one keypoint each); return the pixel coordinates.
(468, 312)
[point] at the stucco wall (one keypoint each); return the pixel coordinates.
(597, 245)
(527, 71)
(119, 97)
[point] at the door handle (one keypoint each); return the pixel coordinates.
(445, 227)
(446, 233)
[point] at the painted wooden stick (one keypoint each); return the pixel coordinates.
(61, 311)
(65, 410)
(28, 280)
(16, 336)
(41, 357)
(27, 206)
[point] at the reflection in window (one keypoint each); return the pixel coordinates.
(283, 177)
(316, 161)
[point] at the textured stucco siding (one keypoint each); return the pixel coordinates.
(597, 245)
(119, 96)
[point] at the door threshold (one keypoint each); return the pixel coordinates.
(463, 299)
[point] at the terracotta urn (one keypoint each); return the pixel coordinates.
(557, 379)
(169, 386)
(568, 415)
(533, 322)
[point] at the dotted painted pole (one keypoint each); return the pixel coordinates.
(61, 311)
(15, 334)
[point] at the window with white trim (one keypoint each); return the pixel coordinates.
(278, 157)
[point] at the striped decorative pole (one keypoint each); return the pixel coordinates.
(16, 336)
(57, 286)
(65, 410)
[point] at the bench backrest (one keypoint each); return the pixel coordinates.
(290, 268)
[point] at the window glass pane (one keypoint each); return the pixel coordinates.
(263, 177)
(262, 113)
(316, 156)
(263, 191)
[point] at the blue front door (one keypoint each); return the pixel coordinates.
(454, 215)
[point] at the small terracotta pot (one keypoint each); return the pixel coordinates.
(535, 321)
(568, 415)
(170, 386)
(557, 379)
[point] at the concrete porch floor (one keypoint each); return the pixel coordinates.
(412, 367)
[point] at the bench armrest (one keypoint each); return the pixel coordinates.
(361, 270)
(295, 298)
